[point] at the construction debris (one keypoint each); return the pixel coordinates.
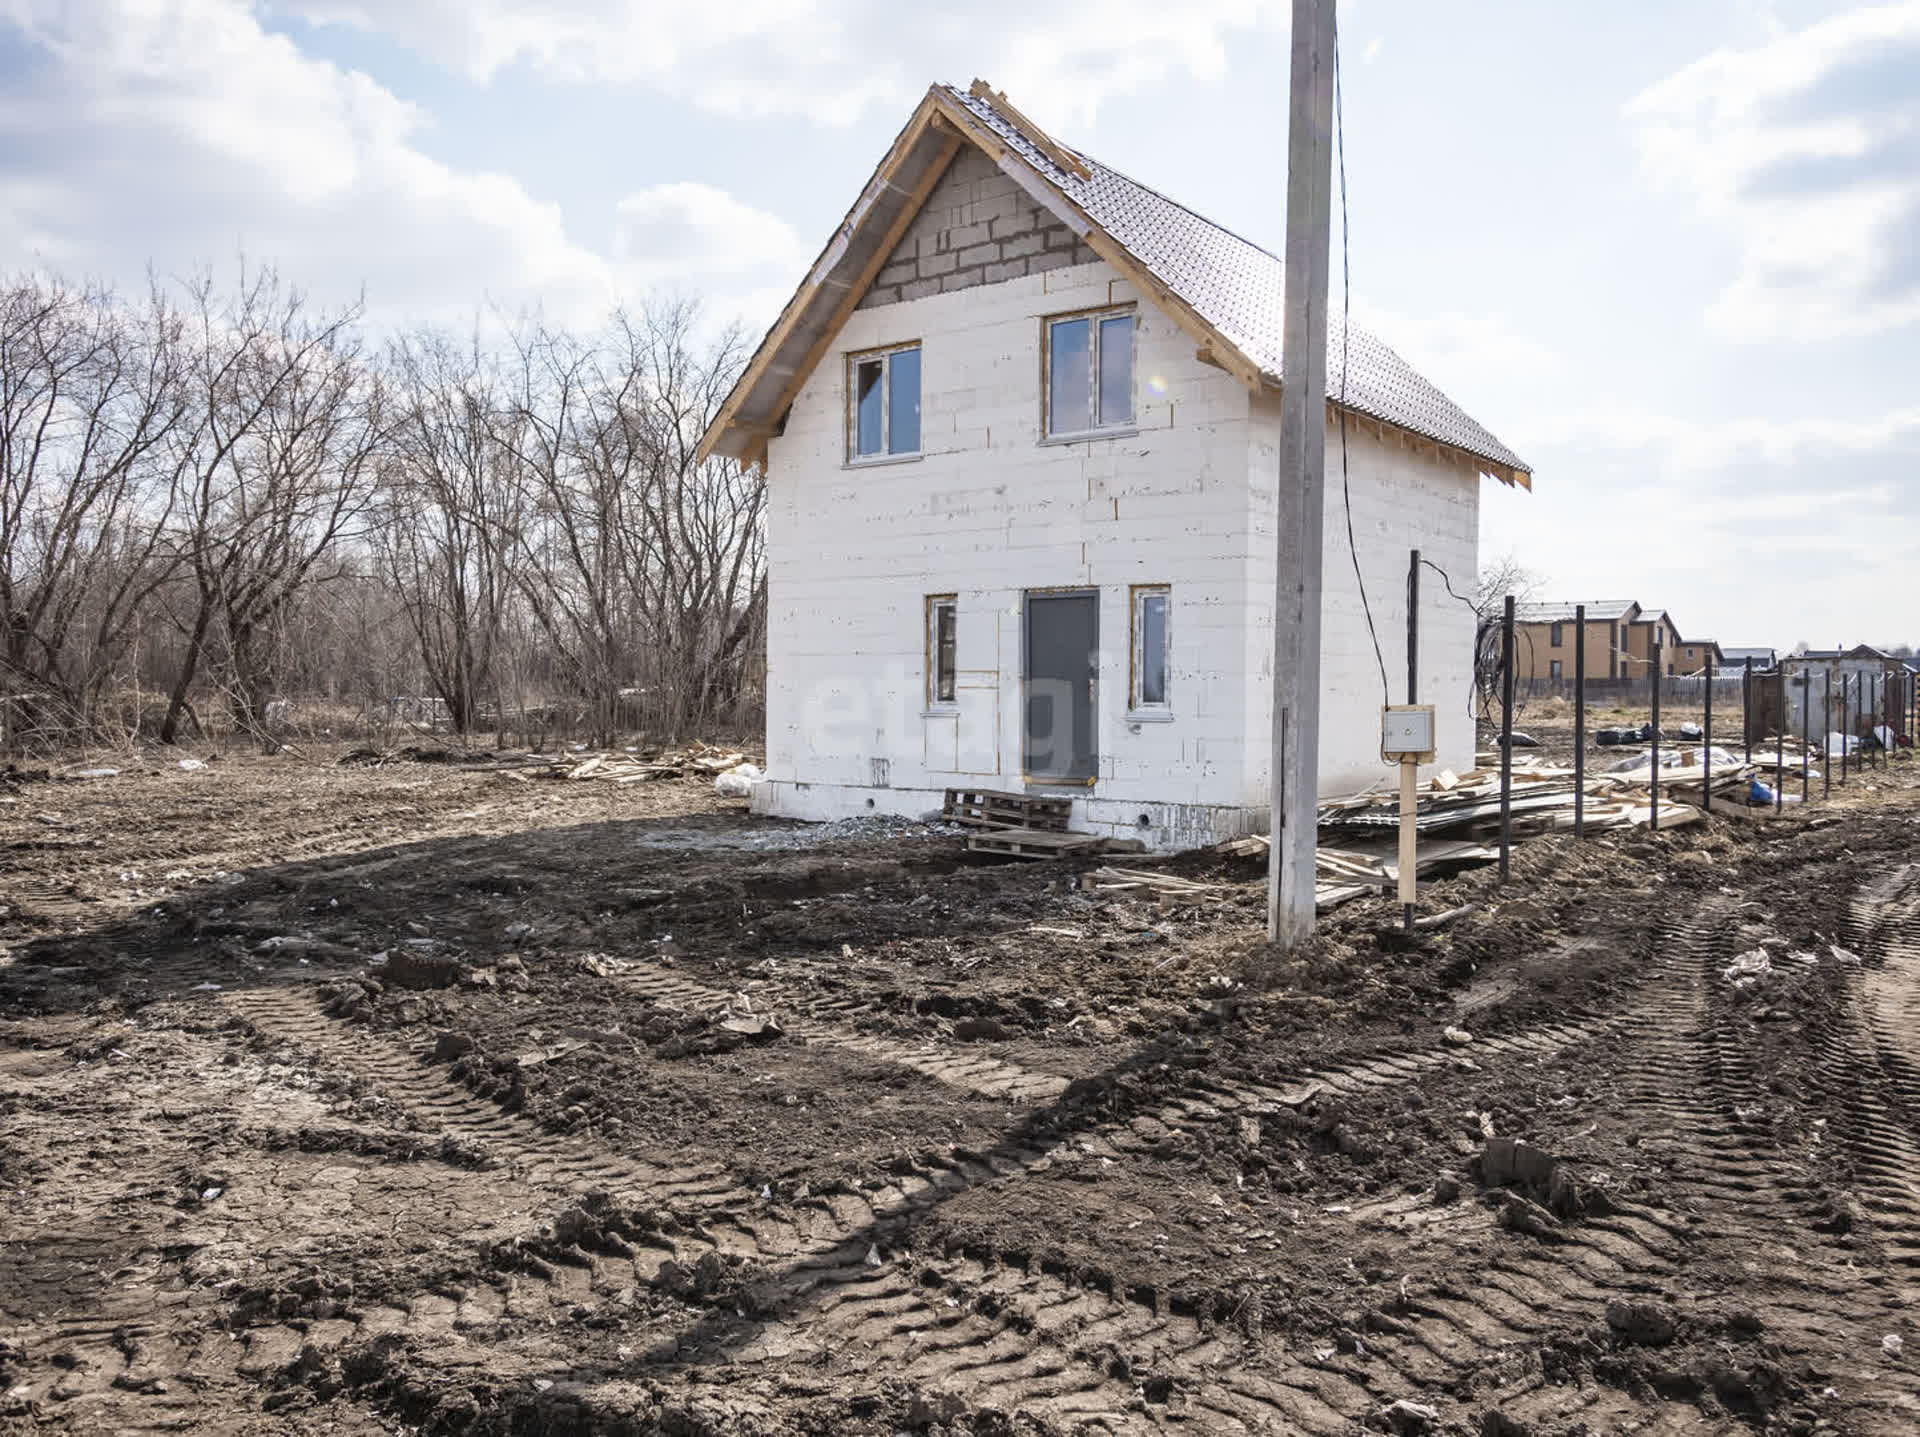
(694, 760)
(1020, 825)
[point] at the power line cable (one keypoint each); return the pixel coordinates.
(1346, 330)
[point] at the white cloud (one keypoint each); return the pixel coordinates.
(1808, 149)
(1692, 447)
(183, 133)
(1479, 350)
(1750, 530)
(825, 60)
(691, 236)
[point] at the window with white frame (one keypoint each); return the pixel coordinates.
(942, 624)
(1089, 373)
(883, 403)
(1148, 689)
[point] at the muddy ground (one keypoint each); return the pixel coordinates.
(417, 1099)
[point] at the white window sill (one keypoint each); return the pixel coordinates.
(1150, 716)
(941, 711)
(1089, 435)
(880, 461)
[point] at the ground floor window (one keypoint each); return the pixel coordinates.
(942, 623)
(1553, 668)
(1148, 685)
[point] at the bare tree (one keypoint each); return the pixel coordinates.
(278, 468)
(445, 509)
(1500, 576)
(231, 496)
(641, 568)
(89, 397)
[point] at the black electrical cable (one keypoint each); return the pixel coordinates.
(1346, 329)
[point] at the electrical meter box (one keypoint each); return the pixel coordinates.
(1406, 733)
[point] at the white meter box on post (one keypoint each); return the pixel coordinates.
(1406, 733)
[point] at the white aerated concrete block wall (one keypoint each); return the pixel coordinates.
(1405, 496)
(989, 512)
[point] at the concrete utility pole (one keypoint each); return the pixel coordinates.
(1303, 448)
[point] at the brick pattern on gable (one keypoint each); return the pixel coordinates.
(977, 227)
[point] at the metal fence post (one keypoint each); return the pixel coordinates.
(1706, 744)
(1845, 730)
(1653, 769)
(1506, 739)
(1579, 720)
(1806, 749)
(1826, 749)
(1780, 743)
(1746, 703)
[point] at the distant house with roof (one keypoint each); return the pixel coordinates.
(1690, 656)
(1020, 426)
(1739, 657)
(1650, 627)
(1545, 638)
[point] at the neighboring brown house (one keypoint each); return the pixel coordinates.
(1544, 636)
(1648, 625)
(1691, 657)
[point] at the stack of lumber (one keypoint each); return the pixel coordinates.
(986, 808)
(694, 760)
(1022, 825)
(1542, 799)
(1152, 882)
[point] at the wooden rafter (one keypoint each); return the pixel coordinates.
(916, 198)
(1062, 157)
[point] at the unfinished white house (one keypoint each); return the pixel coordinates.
(1020, 429)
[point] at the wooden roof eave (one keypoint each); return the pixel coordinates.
(746, 441)
(1509, 474)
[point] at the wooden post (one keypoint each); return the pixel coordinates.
(1653, 765)
(1295, 760)
(1409, 838)
(1579, 720)
(1506, 740)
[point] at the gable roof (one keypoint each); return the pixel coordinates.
(1599, 611)
(1226, 291)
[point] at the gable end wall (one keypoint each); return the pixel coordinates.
(977, 227)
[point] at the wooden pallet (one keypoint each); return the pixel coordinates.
(984, 808)
(1033, 842)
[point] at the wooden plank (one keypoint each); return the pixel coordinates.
(1032, 843)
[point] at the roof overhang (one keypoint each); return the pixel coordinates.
(756, 409)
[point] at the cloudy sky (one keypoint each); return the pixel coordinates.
(1669, 252)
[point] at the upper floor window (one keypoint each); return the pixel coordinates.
(1089, 363)
(1553, 641)
(883, 403)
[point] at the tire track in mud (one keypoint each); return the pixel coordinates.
(1871, 1055)
(1694, 1077)
(999, 1078)
(1001, 1332)
(1698, 1076)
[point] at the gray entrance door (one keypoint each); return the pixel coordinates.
(1063, 664)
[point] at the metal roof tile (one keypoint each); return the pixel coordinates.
(1237, 287)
